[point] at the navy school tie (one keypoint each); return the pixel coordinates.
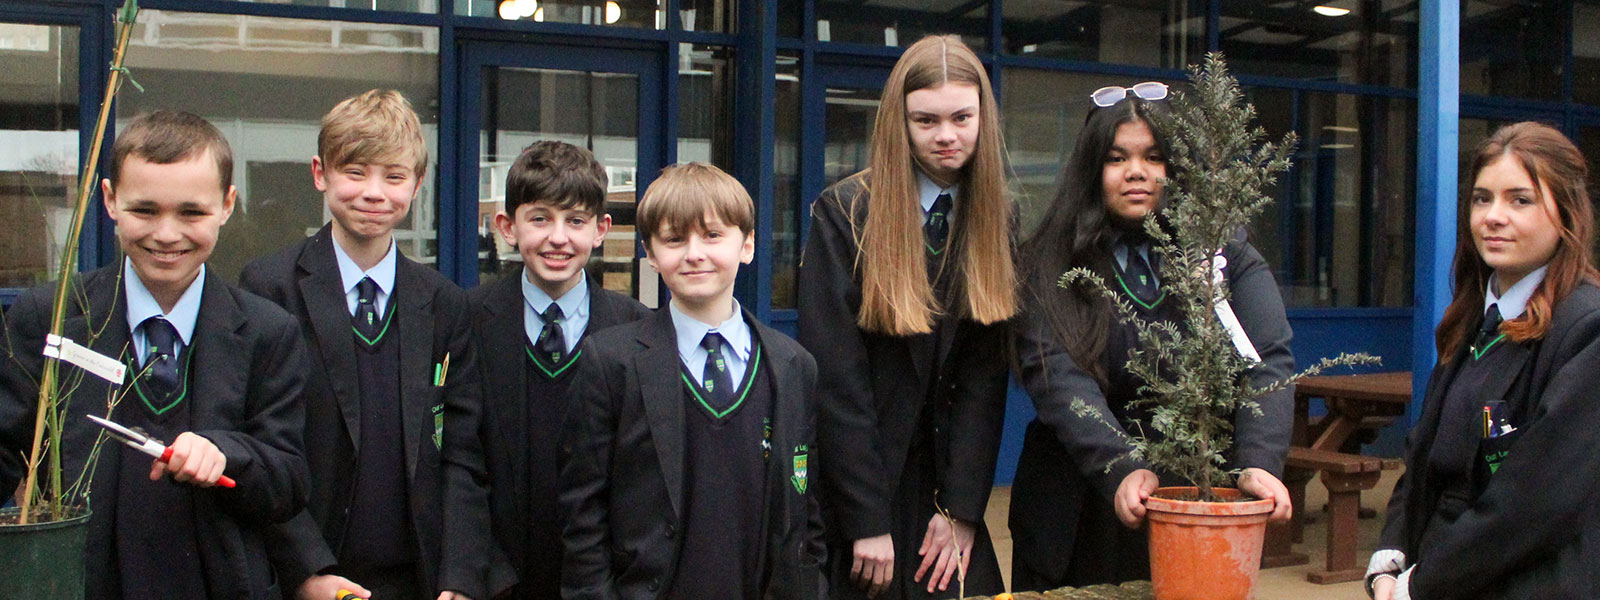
(1488, 332)
(937, 227)
(1140, 278)
(552, 343)
(367, 320)
(716, 378)
(161, 357)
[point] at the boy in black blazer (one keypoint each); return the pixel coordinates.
(528, 326)
(691, 430)
(212, 370)
(393, 397)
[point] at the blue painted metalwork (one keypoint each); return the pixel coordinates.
(1438, 120)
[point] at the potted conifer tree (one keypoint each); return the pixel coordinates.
(1205, 539)
(42, 539)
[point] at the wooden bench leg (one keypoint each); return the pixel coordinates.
(1344, 504)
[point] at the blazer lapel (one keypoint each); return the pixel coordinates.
(416, 351)
(221, 377)
(658, 370)
(504, 359)
(322, 287)
(603, 309)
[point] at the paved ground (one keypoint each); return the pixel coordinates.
(1284, 583)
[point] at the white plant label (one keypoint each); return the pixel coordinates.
(102, 366)
(1224, 310)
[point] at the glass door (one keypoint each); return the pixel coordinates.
(847, 99)
(604, 100)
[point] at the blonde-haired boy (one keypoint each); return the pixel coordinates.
(393, 397)
(691, 429)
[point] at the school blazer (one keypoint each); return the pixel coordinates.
(448, 493)
(872, 388)
(1534, 532)
(623, 486)
(247, 380)
(497, 311)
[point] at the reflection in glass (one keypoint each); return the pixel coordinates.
(786, 200)
(900, 23)
(643, 14)
(38, 149)
(596, 111)
(1513, 48)
(705, 105)
(849, 116)
(1340, 230)
(1168, 34)
(1375, 42)
(422, 6)
(1044, 112)
(712, 16)
(234, 71)
(1586, 53)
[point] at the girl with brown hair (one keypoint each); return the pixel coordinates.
(1501, 473)
(1077, 501)
(905, 288)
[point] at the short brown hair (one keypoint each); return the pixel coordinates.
(682, 195)
(377, 126)
(165, 137)
(559, 174)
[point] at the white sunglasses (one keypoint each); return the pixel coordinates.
(1112, 94)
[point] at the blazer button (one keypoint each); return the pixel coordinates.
(669, 531)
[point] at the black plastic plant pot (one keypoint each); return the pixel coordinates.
(42, 561)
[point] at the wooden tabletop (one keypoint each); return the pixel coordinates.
(1393, 387)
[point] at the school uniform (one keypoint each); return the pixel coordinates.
(1528, 527)
(1062, 523)
(676, 490)
(901, 417)
(398, 477)
(526, 401)
(237, 383)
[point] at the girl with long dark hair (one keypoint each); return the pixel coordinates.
(1077, 502)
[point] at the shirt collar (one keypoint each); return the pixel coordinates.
(573, 303)
(142, 304)
(1515, 300)
(690, 331)
(381, 273)
(929, 191)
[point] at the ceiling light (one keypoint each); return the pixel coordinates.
(508, 10)
(613, 12)
(1330, 11)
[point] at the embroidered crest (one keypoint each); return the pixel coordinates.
(438, 426)
(799, 478)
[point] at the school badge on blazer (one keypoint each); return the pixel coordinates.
(799, 478)
(438, 426)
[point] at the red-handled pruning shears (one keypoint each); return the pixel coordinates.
(146, 444)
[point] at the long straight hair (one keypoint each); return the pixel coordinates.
(897, 298)
(1077, 231)
(1551, 161)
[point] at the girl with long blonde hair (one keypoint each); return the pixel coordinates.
(906, 286)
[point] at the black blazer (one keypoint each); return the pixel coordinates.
(247, 376)
(497, 311)
(872, 388)
(623, 485)
(448, 493)
(1534, 531)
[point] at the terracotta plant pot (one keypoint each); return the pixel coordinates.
(42, 561)
(1205, 550)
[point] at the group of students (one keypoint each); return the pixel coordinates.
(539, 437)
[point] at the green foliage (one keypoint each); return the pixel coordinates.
(1194, 380)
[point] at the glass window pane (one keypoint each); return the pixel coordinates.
(705, 105)
(38, 149)
(1371, 42)
(1586, 52)
(1513, 48)
(900, 23)
(848, 117)
(233, 70)
(1340, 230)
(593, 110)
(716, 16)
(786, 201)
(791, 19)
(422, 6)
(1174, 33)
(643, 14)
(1044, 112)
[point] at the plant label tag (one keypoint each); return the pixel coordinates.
(102, 366)
(1241, 341)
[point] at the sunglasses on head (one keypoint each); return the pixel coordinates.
(1112, 94)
